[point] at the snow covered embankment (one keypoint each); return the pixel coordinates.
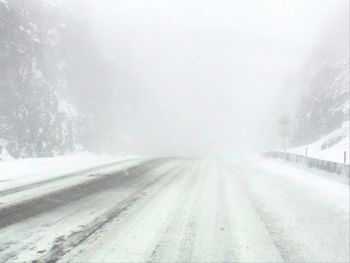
(330, 148)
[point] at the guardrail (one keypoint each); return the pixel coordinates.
(333, 167)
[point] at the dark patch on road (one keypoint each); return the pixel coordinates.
(19, 212)
(55, 179)
(63, 245)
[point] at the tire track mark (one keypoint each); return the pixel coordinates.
(120, 207)
(65, 245)
(30, 208)
(166, 245)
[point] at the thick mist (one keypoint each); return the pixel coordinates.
(203, 77)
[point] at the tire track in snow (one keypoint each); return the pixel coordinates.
(302, 224)
(31, 208)
(186, 244)
(82, 232)
(252, 240)
(168, 178)
(167, 245)
(224, 235)
(226, 211)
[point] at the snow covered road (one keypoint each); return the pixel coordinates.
(173, 210)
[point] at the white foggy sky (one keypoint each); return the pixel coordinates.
(199, 77)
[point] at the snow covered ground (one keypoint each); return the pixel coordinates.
(330, 148)
(15, 173)
(185, 210)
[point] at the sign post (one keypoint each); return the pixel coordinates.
(283, 122)
(344, 157)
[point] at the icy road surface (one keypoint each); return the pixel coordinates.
(168, 210)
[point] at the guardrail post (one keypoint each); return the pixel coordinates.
(306, 151)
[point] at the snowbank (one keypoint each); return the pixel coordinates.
(14, 173)
(329, 148)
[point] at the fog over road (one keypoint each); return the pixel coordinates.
(183, 210)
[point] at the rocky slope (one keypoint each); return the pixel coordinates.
(324, 106)
(49, 70)
(322, 115)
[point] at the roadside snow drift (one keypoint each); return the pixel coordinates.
(18, 172)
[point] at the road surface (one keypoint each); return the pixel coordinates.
(179, 210)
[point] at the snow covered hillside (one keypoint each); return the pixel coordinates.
(322, 121)
(37, 115)
(330, 147)
(47, 81)
(324, 105)
(322, 117)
